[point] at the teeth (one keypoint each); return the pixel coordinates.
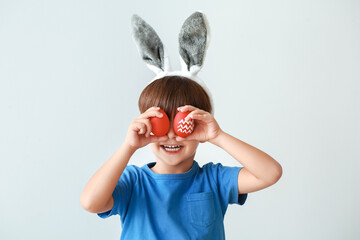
(172, 148)
(169, 146)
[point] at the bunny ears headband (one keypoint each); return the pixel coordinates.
(193, 43)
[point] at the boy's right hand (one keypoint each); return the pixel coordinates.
(138, 134)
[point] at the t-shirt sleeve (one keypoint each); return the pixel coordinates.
(122, 193)
(227, 181)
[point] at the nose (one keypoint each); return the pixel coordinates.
(171, 134)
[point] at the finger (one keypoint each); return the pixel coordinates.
(198, 115)
(186, 108)
(152, 108)
(188, 138)
(151, 112)
(148, 126)
(180, 139)
(139, 127)
(154, 138)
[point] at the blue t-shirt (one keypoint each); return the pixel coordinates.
(188, 205)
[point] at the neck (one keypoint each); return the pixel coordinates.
(162, 168)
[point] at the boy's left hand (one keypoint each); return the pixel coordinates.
(206, 127)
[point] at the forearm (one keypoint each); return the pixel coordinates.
(260, 164)
(100, 187)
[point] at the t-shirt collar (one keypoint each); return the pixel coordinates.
(187, 174)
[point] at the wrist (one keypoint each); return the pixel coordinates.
(217, 140)
(130, 149)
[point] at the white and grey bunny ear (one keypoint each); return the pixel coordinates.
(149, 45)
(193, 42)
(194, 39)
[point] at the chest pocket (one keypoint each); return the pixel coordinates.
(201, 208)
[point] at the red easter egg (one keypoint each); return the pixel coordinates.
(183, 128)
(160, 126)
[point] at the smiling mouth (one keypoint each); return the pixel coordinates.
(171, 148)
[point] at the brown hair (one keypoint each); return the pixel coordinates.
(171, 92)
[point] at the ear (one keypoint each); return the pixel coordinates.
(193, 42)
(149, 45)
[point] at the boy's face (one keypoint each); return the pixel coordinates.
(173, 156)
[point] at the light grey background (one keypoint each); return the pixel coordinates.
(284, 76)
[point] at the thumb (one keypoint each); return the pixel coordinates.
(154, 139)
(190, 137)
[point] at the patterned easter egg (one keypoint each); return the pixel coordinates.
(160, 126)
(183, 128)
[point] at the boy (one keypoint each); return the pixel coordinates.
(174, 198)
